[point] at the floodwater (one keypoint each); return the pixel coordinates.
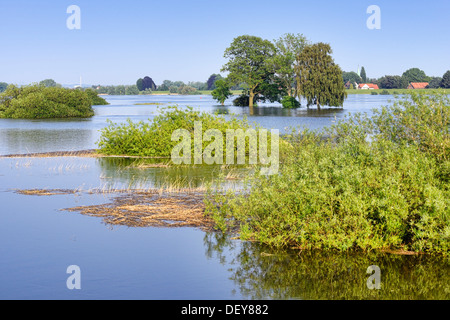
(39, 240)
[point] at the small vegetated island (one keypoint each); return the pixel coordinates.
(41, 102)
(378, 183)
(365, 183)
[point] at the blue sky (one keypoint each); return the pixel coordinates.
(121, 41)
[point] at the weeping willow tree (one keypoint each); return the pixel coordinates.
(320, 79)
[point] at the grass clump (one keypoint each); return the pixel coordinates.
(39, 102)
(364, 184)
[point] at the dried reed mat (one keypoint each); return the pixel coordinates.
(151, 209)
(81, 153)
(45, 192)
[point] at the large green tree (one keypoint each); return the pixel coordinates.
(414, 75)
(363, 75)
(248, 58)
(351, 76)
(392, 82)
(435, 83)
(287, 50)
(320, 78)
(140, 84)
(222, 91)
(445, 82)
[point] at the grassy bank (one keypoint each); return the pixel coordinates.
(351, 192)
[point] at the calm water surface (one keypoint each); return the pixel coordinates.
(39, 240)
(27, 136)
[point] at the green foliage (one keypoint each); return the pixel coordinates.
(421, 120)
(435, 83)
(3, 86)
(211, 82)
(173, 89)
(140, 84)
(188, 90)
(132, 90)
(352, 77)
(222, 91)
(243, 100)
(320, 78)
(341, 190)
(120, 90)
(290, 102)
(415, 75)
(248, 62)
(445, 83)
(49, 83)
(146, 91)
(392, 82)
(95, 99)
(154, 138)
(363, 75)
(384, 92)
(286, 59)
(38, 102)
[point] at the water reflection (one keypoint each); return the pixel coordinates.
(261, 272)
(24, 136)
(14, 141)
(118, 173)
(279, 112)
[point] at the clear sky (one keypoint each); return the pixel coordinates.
(121, 41)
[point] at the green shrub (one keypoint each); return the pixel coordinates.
(290, 102)
(340, 190)
(242, 101)
(95, 99)
(154, 138)
(384, 92)
(374, 93)
(38, 102)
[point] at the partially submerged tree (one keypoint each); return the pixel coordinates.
(288, 48)
(248, 58)
(222, 91)
(320, 78)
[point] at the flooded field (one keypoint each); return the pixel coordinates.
(59, 211)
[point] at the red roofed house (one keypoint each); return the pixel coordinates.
(367, 86)
(418, 85)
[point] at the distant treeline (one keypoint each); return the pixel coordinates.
(397, 81)
(146, 85)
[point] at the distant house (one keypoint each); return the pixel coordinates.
(418, 85)
(367, 86)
